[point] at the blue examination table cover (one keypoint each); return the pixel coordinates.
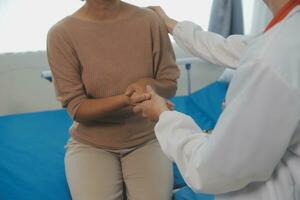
(32, 148)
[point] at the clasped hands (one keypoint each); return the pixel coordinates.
(146, 101)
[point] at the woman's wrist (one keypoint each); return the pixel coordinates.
(125, 100)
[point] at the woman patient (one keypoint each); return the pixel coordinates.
(102, 57)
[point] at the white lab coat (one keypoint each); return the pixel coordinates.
(254, 150)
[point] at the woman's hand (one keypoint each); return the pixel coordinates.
(153, 107)
(169, 22)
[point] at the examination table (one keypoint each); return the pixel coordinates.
(32, 148)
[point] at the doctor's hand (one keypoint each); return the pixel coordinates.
(169, 22)
(153, 107)
(136, 98)
(138, 87)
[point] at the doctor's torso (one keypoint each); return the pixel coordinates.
(274, 53)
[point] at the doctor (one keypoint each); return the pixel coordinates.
(254, 150)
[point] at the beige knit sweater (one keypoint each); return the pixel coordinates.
(91, 59)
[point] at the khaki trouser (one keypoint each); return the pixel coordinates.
(140, 173)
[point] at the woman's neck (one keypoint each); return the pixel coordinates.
(100, 9)
(276, 5)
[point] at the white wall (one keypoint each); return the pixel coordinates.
(23, 90)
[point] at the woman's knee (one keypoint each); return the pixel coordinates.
(93, 173)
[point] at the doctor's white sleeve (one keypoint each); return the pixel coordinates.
(210, 46)
(250, 138)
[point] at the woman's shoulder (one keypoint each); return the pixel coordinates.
(60, 26)
(144, 13)
(59, 31)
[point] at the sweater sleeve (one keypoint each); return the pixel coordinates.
(164, 62)
(66, 70)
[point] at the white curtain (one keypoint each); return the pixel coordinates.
(24, 23)
(226, 17)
